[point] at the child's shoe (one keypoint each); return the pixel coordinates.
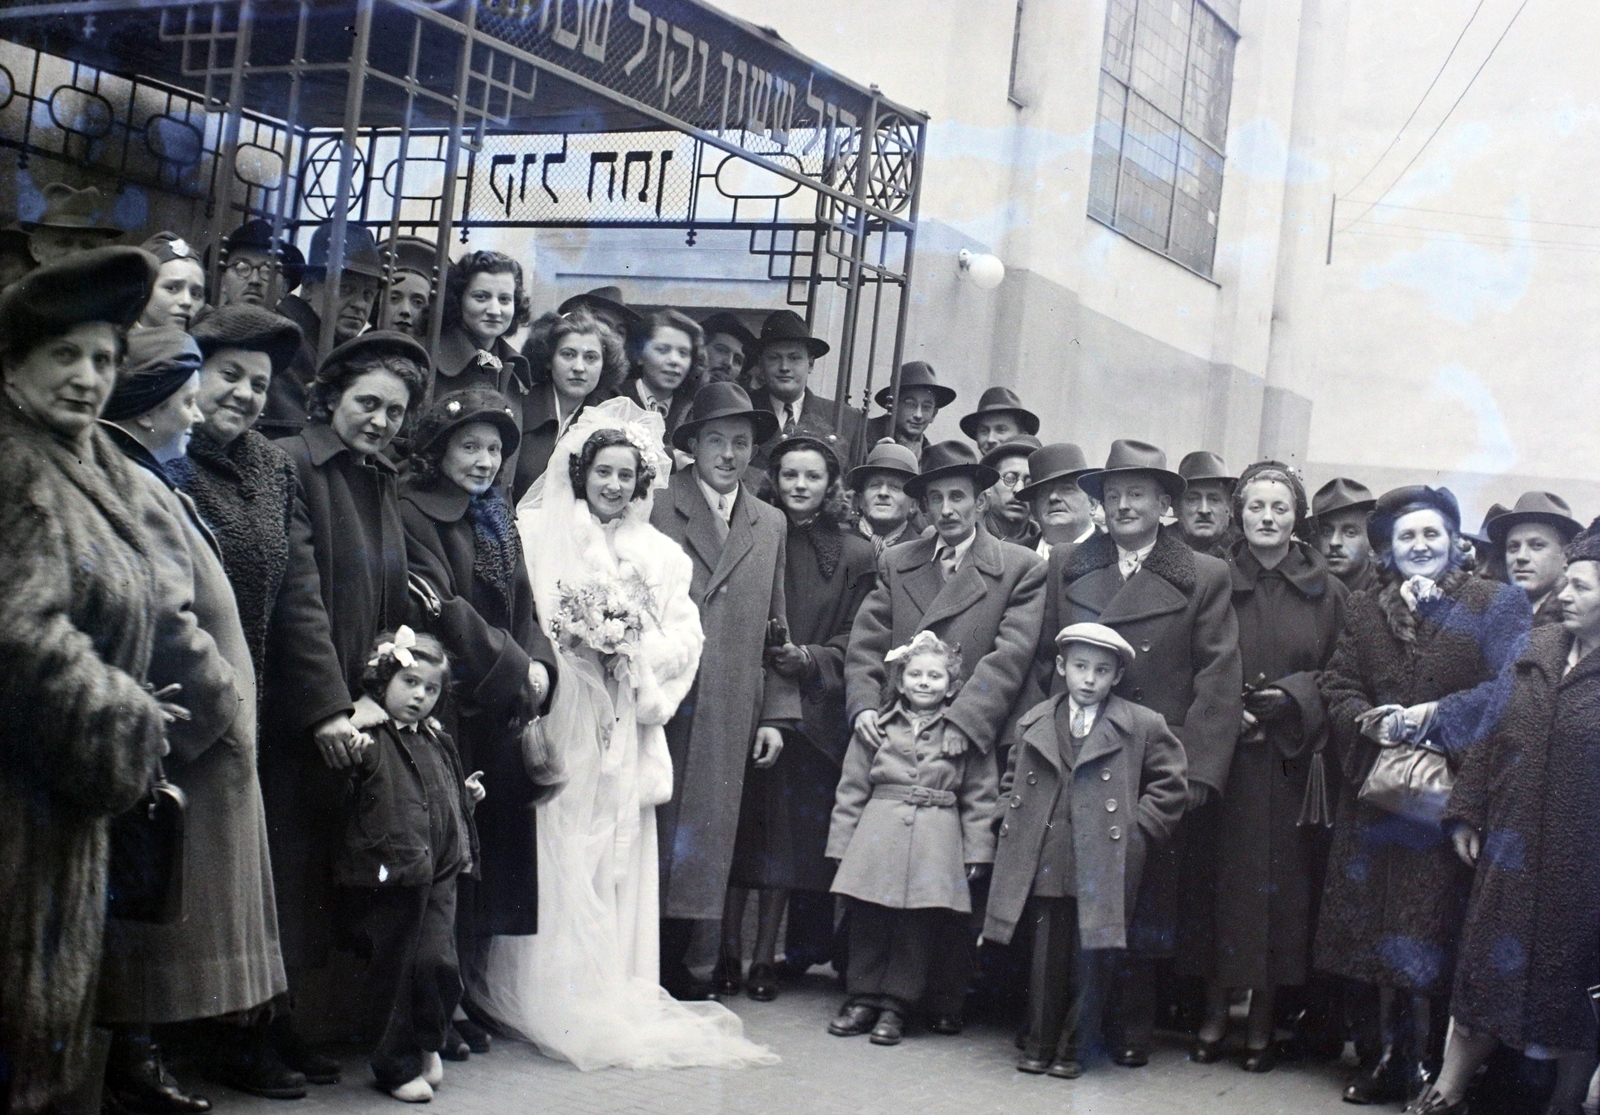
(432, 1069)
(415, 1090)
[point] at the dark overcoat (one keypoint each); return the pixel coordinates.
(1128, 789)
(815, 418)
(1531, 943)
(79, 733)
(1177, 613)
(285, 412)
(783, 820)
(1269, 866)
(244, 492)
(491, 638)
(1396, 892)
(738, 586)
(990, 608)
(345, 583)
(223, 954)
(457, 366)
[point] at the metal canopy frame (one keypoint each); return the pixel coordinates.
(306, 81)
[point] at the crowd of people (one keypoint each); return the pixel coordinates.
(501, 667)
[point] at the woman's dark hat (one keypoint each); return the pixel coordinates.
(1203, 465)
(951, 458)
(722, 400)
(1279, 471)
(378, 342)
(1585, 546)
(80, 210)
(1024, 446)
(110, 284)
(168, 246)
(160, 360)
(918, 374)
(786, 325)
(1536, 507)
(255, 235)
(1132, 456)
(1060, 461)
(724, 322)
(607, 301)
(252, 328)
(412, 253)
(887, 456)
(826, 444)
(1342, 494)
(996, 400)
(461, 408)
(1380, 523)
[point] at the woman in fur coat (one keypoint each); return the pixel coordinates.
(1426, 658)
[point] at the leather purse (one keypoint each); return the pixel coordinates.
(1411, 780)
(145, 879)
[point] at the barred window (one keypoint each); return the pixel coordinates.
(1162, 125)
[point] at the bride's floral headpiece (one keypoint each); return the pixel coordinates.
(645, 430)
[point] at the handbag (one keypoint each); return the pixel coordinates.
(1411, 780)
(541, 760)
(145, 879)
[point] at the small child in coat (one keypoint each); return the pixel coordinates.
(1093, 782)
(911, 825)
(408, 836)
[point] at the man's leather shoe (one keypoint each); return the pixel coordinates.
(762, 986)
(889, 1030)
(455, 1047)
(1065, 1069)
(1034, 1066)
(138, 1082)
(854, 1019)
(250, 1063)
(1130, 1058)
(318, 1068)
(477, 1038)
(947, 1024)
(727, 976)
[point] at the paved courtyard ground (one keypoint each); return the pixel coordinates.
(926, 1075)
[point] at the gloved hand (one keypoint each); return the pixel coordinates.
(1269, 705)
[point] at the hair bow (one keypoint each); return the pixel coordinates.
(400, 648)
(921, 641)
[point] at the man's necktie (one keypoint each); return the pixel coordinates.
(1080, 723)
(788, 419)
(721, 518)
(1129, 564)
(947, 561)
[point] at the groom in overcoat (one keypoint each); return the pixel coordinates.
(737, 708)
(970, 589)
(1175, 606)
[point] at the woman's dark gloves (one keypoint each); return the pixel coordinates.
(1269, 705)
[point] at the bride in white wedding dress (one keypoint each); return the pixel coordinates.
(613, 594)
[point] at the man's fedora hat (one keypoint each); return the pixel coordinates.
(607, 303)
(360, 252)
(951, 458)
(1380, 523)
(918, 374)
(1059, 461)
(1204, 465)
(724, 322)
(1096, 635)
(1342, 494)
(110, 284)
(786, 325)
(1024, 445)
(887, 456)
(1132, 456)
(80, 210)
(255, 235)
(995, 400)
(1481, 540)
(1536, 507)
(722, 400)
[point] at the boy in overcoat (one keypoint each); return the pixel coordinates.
(1175, 607)
(738, 707)
(1093, 782)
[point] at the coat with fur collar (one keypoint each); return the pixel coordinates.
(990, 608)
(1177, 611)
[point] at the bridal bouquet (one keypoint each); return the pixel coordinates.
(605, 615)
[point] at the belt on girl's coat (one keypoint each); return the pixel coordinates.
(916, 795)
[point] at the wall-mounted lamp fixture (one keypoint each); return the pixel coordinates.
(984, 271)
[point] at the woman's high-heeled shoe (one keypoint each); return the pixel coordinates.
(1206, 1052)
(728, 976)
(1431, 1102)
(1385, 1082)
(1260, 1060)
(762, 986)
